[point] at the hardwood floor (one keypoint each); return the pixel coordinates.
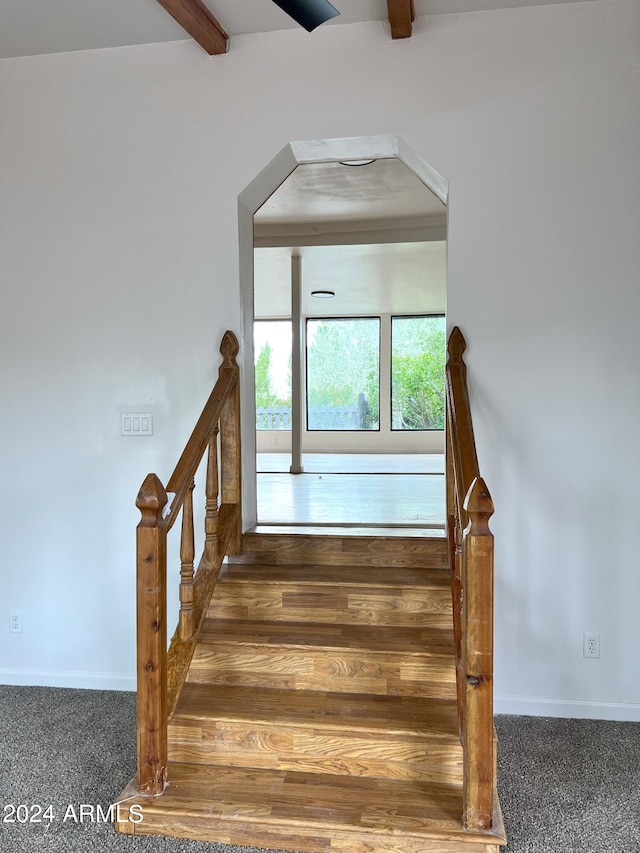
(282, 809)
(352, 489)
(354, 463)
(264, 546)
(319, 712)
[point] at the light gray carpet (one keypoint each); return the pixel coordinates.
(566, 786)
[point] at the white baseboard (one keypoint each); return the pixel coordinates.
(571, 708)
(82, 680)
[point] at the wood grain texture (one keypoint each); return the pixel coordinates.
(360, 735)
(308, 811)
(274, 601)
(187, 556)
(478, 730)
(194, 17)
(212, 510)
(362, 713)
(151, 630)
(181, 651)
(463, 445)
(423, 640)
(230, 448)
(224, 391)
(352, 660)
(401, 16)
(316, 751)
(315, 708)
(469, 507)
(319, 575)
(385, 551)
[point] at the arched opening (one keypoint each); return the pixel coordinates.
(376, 219)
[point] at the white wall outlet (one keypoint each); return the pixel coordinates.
(136, 423)
(591, 645)
(15, 622)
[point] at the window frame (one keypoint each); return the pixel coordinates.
(433, 314)
(337, 317)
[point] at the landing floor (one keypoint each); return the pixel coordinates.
(353, 489)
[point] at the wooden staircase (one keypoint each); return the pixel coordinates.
(318, 694)
(319, 711)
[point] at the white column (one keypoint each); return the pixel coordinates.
(385, 377)
(296, 365)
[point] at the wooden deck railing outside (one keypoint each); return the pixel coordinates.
(469, 508)
(161, 673)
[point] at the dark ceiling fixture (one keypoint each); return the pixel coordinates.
(308, 13)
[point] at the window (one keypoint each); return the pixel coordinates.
(343, 374)
(418, 350)
(272, 359)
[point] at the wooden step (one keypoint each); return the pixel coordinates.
(370, 659)
(345, 550)
(359, 595)
(383, 736)
(312, 812)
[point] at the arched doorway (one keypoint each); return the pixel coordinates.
(395, 233)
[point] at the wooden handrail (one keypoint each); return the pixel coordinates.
(160, 673)
(469, 508)
(465, 457)
(184, 472)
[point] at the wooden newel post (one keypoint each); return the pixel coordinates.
(477, 570)
(151, 538)
(230, 445)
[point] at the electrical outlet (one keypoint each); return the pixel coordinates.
(15, 622)
(591, 645)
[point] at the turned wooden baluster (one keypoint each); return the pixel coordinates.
(151, 544)
(211, 510)
(454, 538)
(230, 447)
(187, 556)
(457, 594)
(477, 577)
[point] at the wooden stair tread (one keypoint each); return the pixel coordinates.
(406, 715)
(335, 658)
(367, 576)
(293, 594)
(420, 640)
(306, 803)
(309, 731)
(344, 550)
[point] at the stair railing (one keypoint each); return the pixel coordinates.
(160, 673)
(469, 508)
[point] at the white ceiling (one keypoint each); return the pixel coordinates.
(29, 27)
(401, 278)
(328, 191)
(347, 223)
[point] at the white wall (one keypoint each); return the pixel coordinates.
(119, 174)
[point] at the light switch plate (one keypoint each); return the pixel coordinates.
(136, 423)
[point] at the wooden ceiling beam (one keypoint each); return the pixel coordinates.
(194, 17)
(401, 17)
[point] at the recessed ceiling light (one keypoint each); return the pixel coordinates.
(322, 294)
